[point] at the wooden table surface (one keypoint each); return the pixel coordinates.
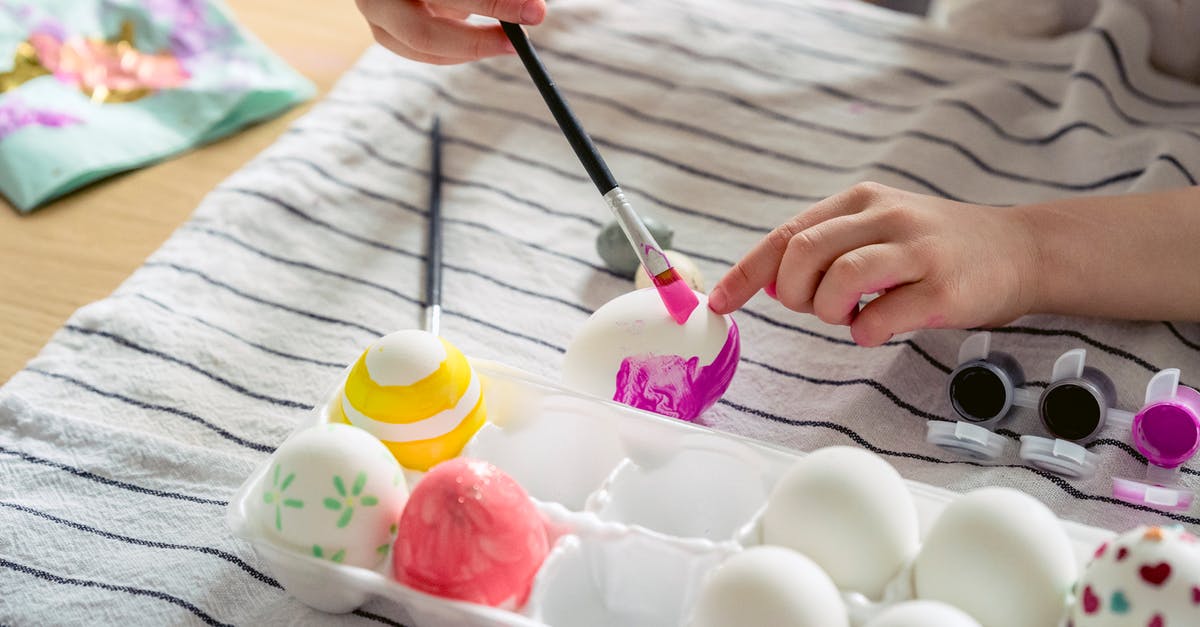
(78, 249)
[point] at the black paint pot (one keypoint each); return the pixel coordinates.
(983, 390)
(1074, 409)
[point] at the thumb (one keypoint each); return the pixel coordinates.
(906, 308)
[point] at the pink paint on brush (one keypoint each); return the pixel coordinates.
(679, 299)
(673, 386)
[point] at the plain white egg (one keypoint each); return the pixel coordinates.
(769, 586)
(849, 511)
(999, 555)
(922, 614)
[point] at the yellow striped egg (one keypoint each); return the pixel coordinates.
(418, 394)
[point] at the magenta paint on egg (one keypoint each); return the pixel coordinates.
(673, 386)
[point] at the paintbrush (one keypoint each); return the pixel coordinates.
(433, 248)
(678, 298)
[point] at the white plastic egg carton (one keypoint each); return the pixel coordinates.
(645, 506)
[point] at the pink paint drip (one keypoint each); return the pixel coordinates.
(16, 115)
(673, 386)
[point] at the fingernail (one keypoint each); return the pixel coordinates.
(717, 300)
(509, 47)
(770, 290)
(531, 12)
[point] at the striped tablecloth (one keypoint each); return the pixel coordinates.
(121, 442)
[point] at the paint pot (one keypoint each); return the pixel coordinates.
(981, 390)
(1075, 409)
(1168, 432)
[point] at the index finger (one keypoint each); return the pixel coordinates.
(754, 271)
(760, 266)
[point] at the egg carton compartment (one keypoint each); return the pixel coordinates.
(701, 486)
(621, 575)
(641, 507)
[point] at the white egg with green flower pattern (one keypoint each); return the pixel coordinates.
(333, 492)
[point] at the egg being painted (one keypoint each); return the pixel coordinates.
(1148, 576)
(417, 393)
(632, 351)
(999, 555)
(335, 493)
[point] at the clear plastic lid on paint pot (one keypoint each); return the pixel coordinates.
(1167, 432)
(965, 438)
(982, 390)
(1074, 408)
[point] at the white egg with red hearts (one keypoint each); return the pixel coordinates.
(1146, 576)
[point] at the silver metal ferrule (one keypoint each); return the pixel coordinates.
(648, 250)
(433, 318)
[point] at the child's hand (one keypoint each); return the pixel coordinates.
(436, 31)
(937, 262)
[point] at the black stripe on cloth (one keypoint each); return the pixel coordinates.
(1108, 348)
(1022, 88)
(870, 138)
(456, 268)
(87, 583)
(393, 163)
(622, 73)
(85, 474)
(1123, 75)
(330, 320)
(1051, 477)
(1106, 37)
(154, 407)
(900, 172)
(207, 550)
(153, 352)
(862, 27)
(649, 155)
(1183, 339)
(569, 175)
(258, 299)
(228, 333)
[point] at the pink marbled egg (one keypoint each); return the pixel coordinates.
(470, 532)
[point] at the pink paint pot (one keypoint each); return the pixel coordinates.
(1168, 432)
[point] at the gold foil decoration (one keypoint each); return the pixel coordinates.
(106, 71)
(25, 68)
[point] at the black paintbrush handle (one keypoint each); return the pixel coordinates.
(433, 249)
(580, 142)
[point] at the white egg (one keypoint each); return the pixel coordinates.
(632, 351)
(333, 492)
(769, 586)
(922, 614)
(1147, 576)
(849, 511)
(999, 555)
